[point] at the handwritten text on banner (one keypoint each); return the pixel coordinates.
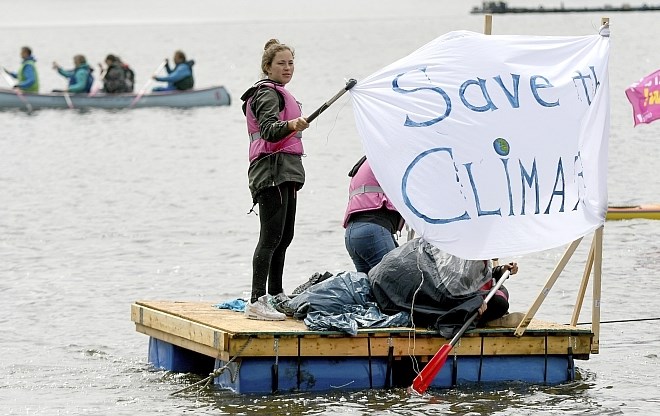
(492, 146)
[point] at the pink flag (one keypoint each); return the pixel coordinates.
(644, 96)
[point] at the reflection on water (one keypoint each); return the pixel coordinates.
(501, 398)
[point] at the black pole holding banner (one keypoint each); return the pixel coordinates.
(350, 84)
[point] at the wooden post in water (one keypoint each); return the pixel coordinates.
(583, 285)
(595, 263)
(598, 268)
(605, 21)
(488, 24)
(595, 308)
(520, 330)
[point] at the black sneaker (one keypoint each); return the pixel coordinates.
(316, 278)
(280, 303)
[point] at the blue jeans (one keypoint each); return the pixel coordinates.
(367, 243)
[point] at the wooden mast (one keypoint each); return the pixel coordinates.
(488, 24)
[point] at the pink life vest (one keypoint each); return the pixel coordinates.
(290, 144)
(365, 194)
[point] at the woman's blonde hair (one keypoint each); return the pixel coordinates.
(272, 47)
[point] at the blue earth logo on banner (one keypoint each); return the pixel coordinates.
(501, 146)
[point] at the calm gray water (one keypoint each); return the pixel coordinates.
(102, 208)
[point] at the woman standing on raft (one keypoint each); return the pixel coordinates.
(274, 123)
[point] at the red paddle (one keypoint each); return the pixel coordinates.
(428, 373)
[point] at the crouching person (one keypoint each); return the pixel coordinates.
(439, 290)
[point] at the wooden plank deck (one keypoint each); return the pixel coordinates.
(222, 334)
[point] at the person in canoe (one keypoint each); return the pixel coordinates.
(370, 219)
(80, 77)
(117, 76)
(27, 77)
(178, 78)
(276, 174)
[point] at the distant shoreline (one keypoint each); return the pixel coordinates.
(501, 7)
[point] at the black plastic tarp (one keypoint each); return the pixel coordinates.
(343, 303)
(419, 270)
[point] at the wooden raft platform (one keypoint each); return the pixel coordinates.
(196, 335)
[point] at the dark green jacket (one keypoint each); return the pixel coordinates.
(274, 169)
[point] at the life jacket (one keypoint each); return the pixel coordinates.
(34, 87)
(489, 285)
(90, 79)
(187, 82)
(365, 193)
(291, 110)
(114, 80)
(129, 77)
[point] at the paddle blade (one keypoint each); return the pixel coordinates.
(428, 373)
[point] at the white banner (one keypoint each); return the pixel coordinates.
(492, 146)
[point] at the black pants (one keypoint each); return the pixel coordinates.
(497, 308)
(277, 215)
